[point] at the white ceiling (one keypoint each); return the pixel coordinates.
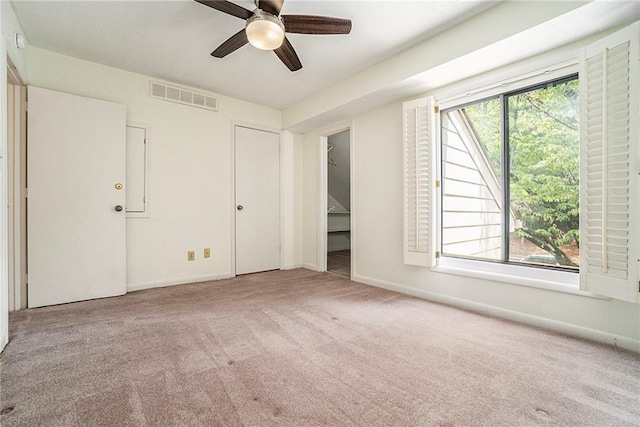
(172, 40)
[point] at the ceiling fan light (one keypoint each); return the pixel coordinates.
(265, 32)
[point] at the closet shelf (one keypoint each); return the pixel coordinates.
(338, 221)
(338, 229)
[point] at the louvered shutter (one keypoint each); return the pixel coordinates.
(418, 137)
(609, 151)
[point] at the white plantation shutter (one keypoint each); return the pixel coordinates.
(418, 140)
(609, 152)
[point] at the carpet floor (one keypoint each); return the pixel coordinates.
(299, 348)
(339, 262)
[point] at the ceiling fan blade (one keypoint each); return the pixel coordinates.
(310, 24)
(232, 44)
(288, 56)
(271, 6)
(228, 7)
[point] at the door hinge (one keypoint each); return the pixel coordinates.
(436, 109)
(26, 193)
(437, 183)
(437, 254)
(145, 141)
(25, 106)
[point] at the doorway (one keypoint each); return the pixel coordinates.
(15, 183)
(12, 228)
(339, 203)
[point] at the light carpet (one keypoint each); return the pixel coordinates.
(339, 262)
(299, 348)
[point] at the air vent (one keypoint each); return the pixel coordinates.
(183, 96)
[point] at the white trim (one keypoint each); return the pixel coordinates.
(281, 185)
(232, 196)
(309, 266)
(352, 201)
(22, 191)
(16, 174)
(147, 205)
(13, 241)
(4, 285)
(12, 74)
(234, 124)
(529, 319)
(473, 90)
(292, 266)
(521, 275)
(323, 191)
(559, 281)
(16, 165)
(177, 281)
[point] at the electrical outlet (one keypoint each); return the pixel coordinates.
(207, 252)
(191, 256)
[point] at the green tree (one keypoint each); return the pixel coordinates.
(543, 161)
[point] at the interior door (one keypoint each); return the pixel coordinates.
(257, 177)
(76, 219)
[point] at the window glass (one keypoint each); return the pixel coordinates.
(524, 209)
(543, 142)
(471, 189)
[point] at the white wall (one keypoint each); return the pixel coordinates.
(292, 199)
(10, 26)
(189, 170)
(4, 286)
(378, 259)
(310, 207)
(386, 78)
(377, 236)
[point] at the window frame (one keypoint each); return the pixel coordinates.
(505, 182)
(548, 278)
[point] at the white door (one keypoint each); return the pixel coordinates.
(76, 219)
(257, 211)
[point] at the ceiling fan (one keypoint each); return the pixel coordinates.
(265, 28)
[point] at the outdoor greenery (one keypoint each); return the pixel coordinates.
(543, 142)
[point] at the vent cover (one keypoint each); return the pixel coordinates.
(183, 96)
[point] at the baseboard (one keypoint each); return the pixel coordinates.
(292, 266)
(309, 266)
(529, 319)
(180, 281)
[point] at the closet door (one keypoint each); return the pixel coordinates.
(257, 177)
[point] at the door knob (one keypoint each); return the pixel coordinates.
(240, 207)
(118, 208)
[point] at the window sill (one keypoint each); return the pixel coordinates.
(557, 281)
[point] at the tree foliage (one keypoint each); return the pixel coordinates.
(543, 142)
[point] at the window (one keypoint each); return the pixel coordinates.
(502, 191)
(510, 171)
